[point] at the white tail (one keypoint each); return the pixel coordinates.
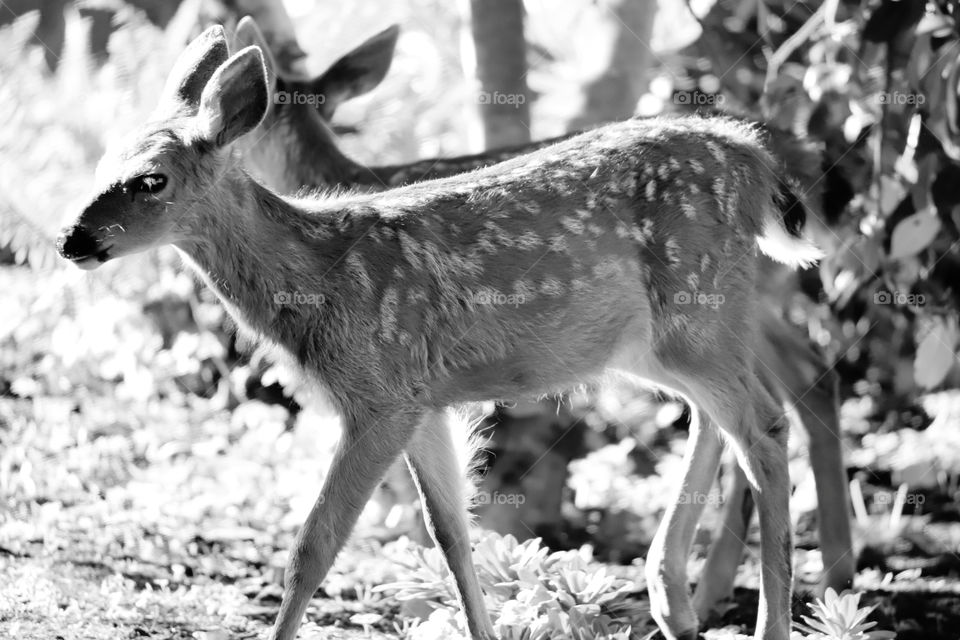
(609, 242)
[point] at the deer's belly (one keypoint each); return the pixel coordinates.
(550, 351)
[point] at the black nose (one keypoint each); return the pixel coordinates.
(76, 242)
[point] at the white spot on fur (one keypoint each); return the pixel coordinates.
(559, 244)
(716, 152)
(359, 270)
(525, 289)
(572, 225)
(530, 206)
(673, 251)
(551, 287)
(388, 313)
(410, 250)
(528, 240)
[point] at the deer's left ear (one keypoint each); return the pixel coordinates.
(193, 69)
(357, 72)
(235, 99)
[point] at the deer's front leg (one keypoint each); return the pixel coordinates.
(440, 479)
(669, 552)
(363, 455)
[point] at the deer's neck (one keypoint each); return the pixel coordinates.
(291, 272)
(254, 248)
(315, 160)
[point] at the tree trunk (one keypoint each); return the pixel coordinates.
(531, 446)
(613, 95)
(501, 69)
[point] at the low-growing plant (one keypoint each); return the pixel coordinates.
(533, 594)
(840, 617)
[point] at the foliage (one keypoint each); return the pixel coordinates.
(533, 594)
(836, 617)
(840, 617)
(875, 83)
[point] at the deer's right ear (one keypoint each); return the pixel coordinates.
(194, 68)
(236, 98)
(248, 34)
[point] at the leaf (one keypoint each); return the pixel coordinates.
(935, 356)
(937, 24)
(891, 195)
(914, 233)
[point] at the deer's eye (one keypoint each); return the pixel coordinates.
(151, 183)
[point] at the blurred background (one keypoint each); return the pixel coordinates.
(152, 474)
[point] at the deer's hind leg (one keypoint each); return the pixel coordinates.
(757, 431)
(815, 403)
(718, 378)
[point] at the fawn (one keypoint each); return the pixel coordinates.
(294, 148)
(599, 233)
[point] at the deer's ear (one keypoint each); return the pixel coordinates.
(194, 68)
(235, 100)
(357, 72)
(248, 34)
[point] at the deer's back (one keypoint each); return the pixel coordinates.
(636, 233)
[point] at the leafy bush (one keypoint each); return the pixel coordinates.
(532, 594)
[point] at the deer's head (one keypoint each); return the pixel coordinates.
(301, 107)
(151, 189)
